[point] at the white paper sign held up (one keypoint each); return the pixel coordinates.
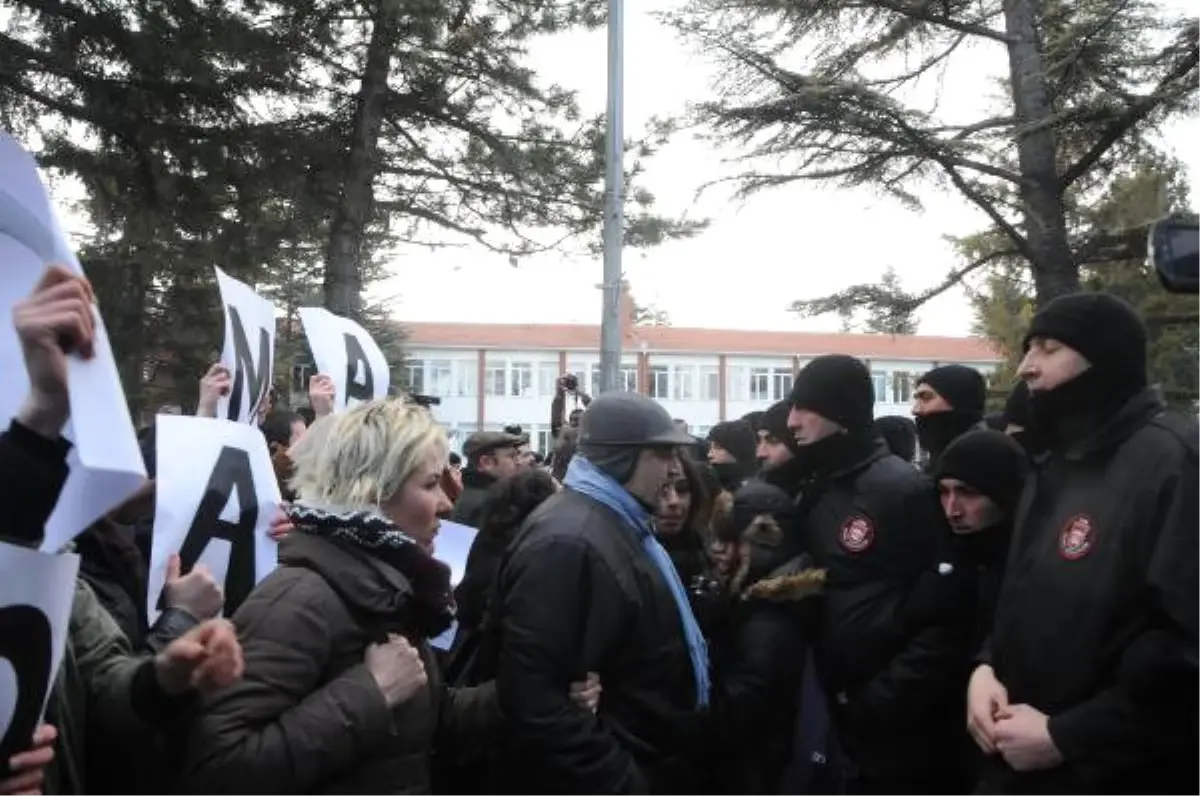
(215, 498)
(105, 462)
(37, 591)
(249, 350)
(345, 352)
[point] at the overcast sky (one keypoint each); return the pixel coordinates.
(801, 241)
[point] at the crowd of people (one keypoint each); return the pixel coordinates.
(796, 604)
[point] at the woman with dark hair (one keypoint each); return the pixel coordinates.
(681, 521)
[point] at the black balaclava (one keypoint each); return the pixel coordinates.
(737, 437)
(900, 434)
(996, 465)
(965, 390)
(1110, 335)
(839, 388)
(788, 476)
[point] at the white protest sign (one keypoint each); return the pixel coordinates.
(249, 350)
(106, 464)
(345, 352)
(216, 495)
(452, 547)
(37, 591)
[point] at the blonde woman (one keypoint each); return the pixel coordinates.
(341, 693)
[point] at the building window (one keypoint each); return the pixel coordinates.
(700, 432)
(441, 378)
(683, 385)
(580, 370)
(627, 380)
(737, 387)
(521, 380)
(547, 378)
(466, 378)
(902, 387)
(710, 383)
(543, 440)
(415, 376)
(880, 380)
(493, 379)
(660, 382)
(781, 384)
(760, 384)
(300, 376)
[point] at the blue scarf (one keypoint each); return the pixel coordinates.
(587, 479)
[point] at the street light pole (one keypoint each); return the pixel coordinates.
(614, 215)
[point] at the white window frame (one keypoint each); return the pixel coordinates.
(703, 375)
(659, 381)
(521, 374)
(879, 383)
(495, 379)
(683, 383)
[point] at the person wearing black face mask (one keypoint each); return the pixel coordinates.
(947, 403)
(1089, 680)
(1016, 415)
(731, 449)
(873, 522)
(778, 462)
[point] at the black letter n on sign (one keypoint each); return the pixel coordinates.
(245, 375)
(232, 472)
(25, 642)
(363, 390)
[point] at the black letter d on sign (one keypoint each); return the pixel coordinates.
(25, 643)
(231, 472)
(364, 390)
(245, 375)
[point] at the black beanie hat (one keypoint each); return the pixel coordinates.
(1103, 328)
(774, 422)
(754, 419)
(900, 434)
(737, 437)
(963, 388)
(991, 462)
(1016, 408)
(837, 387)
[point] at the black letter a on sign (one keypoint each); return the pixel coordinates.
(245, 375)
(363, 390)
(232, 472)
(25, 643)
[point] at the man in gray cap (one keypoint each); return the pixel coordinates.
(587, 588)
(491, 456)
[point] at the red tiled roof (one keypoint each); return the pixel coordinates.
(669, 339)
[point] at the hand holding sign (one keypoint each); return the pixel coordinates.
(197, 592)
(29, 768)
(206, 658)
(215, 385)
(105, 463)
(52, 323)
(322, 394)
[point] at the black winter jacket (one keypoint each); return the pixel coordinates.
(1097, 617)
(894, 685)
(578, 594)
(468, 509)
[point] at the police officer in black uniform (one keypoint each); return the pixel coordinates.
(1090, 680)
(874, 523)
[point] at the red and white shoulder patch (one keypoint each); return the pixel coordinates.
(857, 534)
(1077, 537)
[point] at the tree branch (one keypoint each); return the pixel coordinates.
(921, 11)
(1133, 116)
